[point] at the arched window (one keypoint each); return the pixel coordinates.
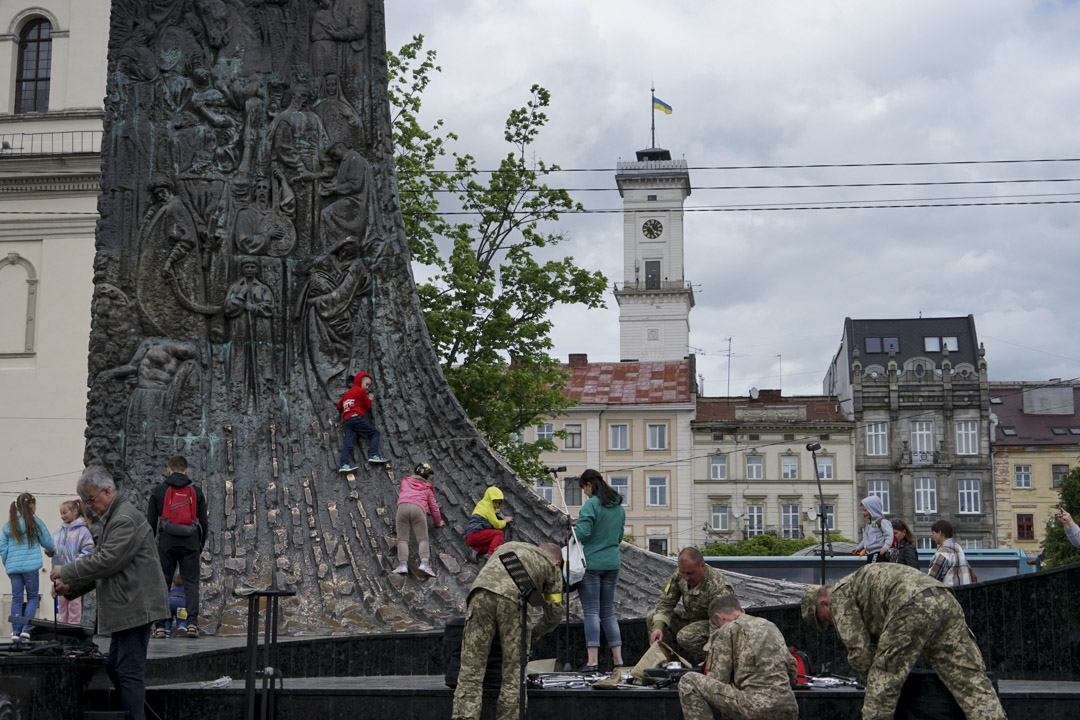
(35, 65)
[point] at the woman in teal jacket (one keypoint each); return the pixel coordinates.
(599, 527)
(21, 542)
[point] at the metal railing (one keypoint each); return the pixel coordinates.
(658, 286)
(64, 142)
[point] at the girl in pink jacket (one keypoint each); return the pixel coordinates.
(415, 500)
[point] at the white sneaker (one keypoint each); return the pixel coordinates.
(15, 637)
(426, 569)
(25, 634)
(401, 569)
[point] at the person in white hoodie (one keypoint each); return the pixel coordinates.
(877, 536)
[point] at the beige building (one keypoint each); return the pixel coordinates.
(52, 56)
(1035, 436)
(633, 426)
(753, 473)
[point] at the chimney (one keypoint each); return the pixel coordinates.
(579, 360)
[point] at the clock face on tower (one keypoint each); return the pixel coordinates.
(652, 229)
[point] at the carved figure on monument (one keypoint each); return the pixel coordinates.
(235, 43)
(250, 307)
(341, 121)
(297, 143)
(167, 376)
(353, 213)
(210, 104)
(337, 33)
(328, 313)
(274, 20)
(261, 228)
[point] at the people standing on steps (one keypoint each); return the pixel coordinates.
(354, 406)
(416, 499)
(877, 534)
(485, 530)
(72, 542)
(22, 539)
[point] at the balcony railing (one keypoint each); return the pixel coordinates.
(657, 286)
(66, 142)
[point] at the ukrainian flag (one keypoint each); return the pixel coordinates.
(659, 104)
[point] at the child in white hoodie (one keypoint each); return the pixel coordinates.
(877, 536)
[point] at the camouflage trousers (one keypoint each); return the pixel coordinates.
(699, 695)
(935, 628)
(488, 614)
(690, 634)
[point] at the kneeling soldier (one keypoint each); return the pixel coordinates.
(887, 615)
(750, 670)
(696, 584)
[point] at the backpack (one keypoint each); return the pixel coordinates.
(178, 511)
(802, 669)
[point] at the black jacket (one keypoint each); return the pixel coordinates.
(905, 553)
(157, 503)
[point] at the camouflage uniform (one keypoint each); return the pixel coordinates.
(493, 608)
(691, 627)
(886, 619)
(750, 672)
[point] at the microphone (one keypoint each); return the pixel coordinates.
(553, 470)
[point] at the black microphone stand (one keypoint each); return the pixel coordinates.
(567, 666)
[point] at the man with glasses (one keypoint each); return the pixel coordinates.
(131, 592)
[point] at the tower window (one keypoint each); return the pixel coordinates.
(650, 197)
(652, 274)
(35, 64)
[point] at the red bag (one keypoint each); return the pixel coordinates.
(178, 511)
(802, 669)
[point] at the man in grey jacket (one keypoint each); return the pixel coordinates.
(131, 592)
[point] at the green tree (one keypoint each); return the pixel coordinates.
(766, 545)
(1057, 550)
(488, 301)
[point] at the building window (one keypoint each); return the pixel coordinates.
(657, 436)
(925, 496)
(951, 344)
(890, 344)
(970, 543)
(969, 497)
(823, 437)
(922, 437)
(572, 493)
(830, 516)
(658, 545)
(718, 467)
(877, 440)
(652, 274)
(657, 491)
(755, 519)
(1023, 476)
(35, 64)
(546, 490)
(1025, 527)
(880, 489)
(621, 485)
(825, 467)
(755, 467)
(967, 438)
(718, 437)
(1009, 431)
(789, 467)
(18, 305)
(545, 431)
(573, 437)
(924, 543)
(752, 437)
(873, 345)
(720, 518)
(619, 437)
(1058, 473)
(789, 521)
(789, 437)
(932, 344)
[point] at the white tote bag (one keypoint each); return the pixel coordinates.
(573, 560)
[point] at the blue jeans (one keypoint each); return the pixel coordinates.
(29, 581)
(354, 426)
(597, 593)
(126, 667)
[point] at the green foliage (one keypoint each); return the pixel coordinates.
(1057, 550)
(766, 545)
(628, 538)
(487, 303)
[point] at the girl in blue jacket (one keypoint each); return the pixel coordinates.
(21, 542)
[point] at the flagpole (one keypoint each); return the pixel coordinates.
(652, 107)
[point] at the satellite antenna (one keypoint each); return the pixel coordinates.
(811, 514)
(736, 511)
(754, 393)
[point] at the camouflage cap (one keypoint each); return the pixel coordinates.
(808, 608)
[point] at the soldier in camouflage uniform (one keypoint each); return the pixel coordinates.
(887, 615)
(696, 584)
(492, 607)
(750, 670)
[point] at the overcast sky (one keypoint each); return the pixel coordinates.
(794, 83)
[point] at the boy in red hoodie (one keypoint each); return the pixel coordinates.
(353, 405)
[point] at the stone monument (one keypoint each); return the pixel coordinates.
(251, 259)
